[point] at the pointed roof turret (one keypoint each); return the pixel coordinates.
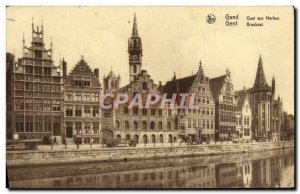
(135, 32)
(260, 79)
(200, 68)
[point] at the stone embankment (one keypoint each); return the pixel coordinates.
(54, 157)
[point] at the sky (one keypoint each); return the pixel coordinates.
(174, 39)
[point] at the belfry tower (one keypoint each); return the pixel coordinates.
(135, 52)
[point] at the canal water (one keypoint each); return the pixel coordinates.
(269, 169)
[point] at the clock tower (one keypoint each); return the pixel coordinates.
(135, 52)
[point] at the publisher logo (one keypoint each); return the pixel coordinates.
(210, 19)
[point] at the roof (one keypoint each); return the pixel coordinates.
(260, 79)
(181, 85)
(216, 84)
(241, 96)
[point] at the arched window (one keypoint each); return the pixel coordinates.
(169, 125)
(159, 125)
(161, 138)
(170, 138)
(135, 125)
(152, 125)
(118, 136)
(153, 138)
(117, 125)
(128, 137)
(126, 125)
(144, 125)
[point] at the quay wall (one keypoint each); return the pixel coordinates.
(53, 157)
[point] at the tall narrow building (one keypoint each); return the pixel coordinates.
(261, 104)
(82, 105)
(36, 92)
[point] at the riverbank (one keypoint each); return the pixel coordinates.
(55, 157)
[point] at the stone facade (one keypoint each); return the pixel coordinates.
(82, 106)
(35, 92)
(243, 116)
(225, 106)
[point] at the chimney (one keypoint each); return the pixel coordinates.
(96, 72)
(64, 67)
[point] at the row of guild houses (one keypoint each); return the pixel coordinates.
(43, 100)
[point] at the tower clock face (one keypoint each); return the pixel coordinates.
(135, 57)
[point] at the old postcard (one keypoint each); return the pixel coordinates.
(150, 97)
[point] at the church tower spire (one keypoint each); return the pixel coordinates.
(135, 52)
(135, 32)
(260, 79)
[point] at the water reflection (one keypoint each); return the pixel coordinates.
(267, 169)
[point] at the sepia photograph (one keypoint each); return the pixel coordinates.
(144, 97)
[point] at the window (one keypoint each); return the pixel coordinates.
(106, 113)
(38, 124)
(86, 83)
(126, 111)
(189, 123)
(135, 111)
(169, 112)
(78, 96)
(38, 70)
(55, 105)
(47, 123)
(194, 123)
(117, 125)
(69, 95)
(28, 104)
(69, 111)
(135, 125)
(207, 101)
(86, 96)
(78, 127)
(152, 125)
(96, 127)
(78, 111)
(19, 104)
(29, 69)
(47, 105)
(28, 124)
(152, 111)
(159, 125)
(203, 111)
(95, 97)
(134, 68)
(87, 111)
(87, 127)
(160, 112)
(38, 54)
(38, 87)
(78, 82)
(212, 124)
(47, 87)
(19, 124)
(212, 112)
(169, 126)
(145, 86)
(28, 86)
(47, 71)
(203, 90)
(95, 111)
(245, 121)
(144, 111)
(126, 125)
(144, 125)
